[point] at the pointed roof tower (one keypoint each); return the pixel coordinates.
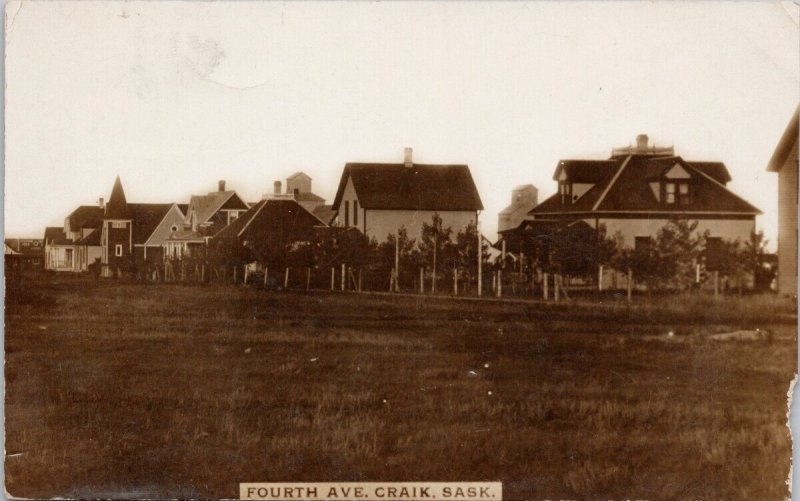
(117, 206)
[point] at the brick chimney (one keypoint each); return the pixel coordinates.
(641, 142)
(221, 185)
(101, 203)
(407, 157)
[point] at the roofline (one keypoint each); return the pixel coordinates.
(785, 144)
(174, 206)
(594, 213)
(248, 222)
(611, 183)
(724, 188)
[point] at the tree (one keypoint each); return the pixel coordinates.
(435, 245)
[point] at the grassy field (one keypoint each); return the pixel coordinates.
(125, 390)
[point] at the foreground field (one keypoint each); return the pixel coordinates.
(124, 390)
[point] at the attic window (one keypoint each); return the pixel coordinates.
(174, 228)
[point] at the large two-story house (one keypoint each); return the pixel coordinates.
(380, 198)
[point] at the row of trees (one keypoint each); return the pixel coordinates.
(672, 260)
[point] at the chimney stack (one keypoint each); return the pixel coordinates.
(407, 157)
(276, 187)
(221, 185)
(641, 142)
(101, 203)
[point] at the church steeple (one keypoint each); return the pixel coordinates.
(117, 206)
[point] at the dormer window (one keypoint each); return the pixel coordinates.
(676, 192)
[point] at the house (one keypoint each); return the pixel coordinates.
(28, 252)
(523, 199)
(265, 233)
(636, 191)
(206, 215)
(380, 198)
(784, 162)
(133, 235)
(298, 188)
(59, 251)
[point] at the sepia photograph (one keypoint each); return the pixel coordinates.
(400, 250)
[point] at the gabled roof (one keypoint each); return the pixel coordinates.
(205, 206)
(92, 239)
(8, 250)
(787, 143)
(586, 171)
(85, 216)
(271, 215)
(626, 188)
(419, 187)
(54, 235)
(146, 218)
(117, 206)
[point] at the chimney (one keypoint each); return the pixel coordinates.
(276, 187)
(407, 157)
(221, 185)
(101, 203)
(641, 142)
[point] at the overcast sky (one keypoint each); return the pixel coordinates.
(174, 96)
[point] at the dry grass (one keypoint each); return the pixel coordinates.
(122, 390)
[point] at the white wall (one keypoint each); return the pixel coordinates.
(380, 223)
(728, 229)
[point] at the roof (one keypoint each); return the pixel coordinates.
(86, 216)
(205, 206)
(117, 206)
(92, 238)
(298, 174)
(268, 216)
(626, 188)
(419, 187)
(146, 218)
(54, 235)
(787, 143)
(186, 235)
(324, 213)
(9, 250)
(308, 197)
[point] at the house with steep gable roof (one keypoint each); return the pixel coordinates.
(380, 198)
(784, 162)
(638, 190)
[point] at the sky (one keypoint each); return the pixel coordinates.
(174, 96)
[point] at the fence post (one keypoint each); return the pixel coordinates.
(716, 284)
(344, 277)
(556, 287)
(266, 273)
(396, 263)
(422, 281)
(630, 284)
(600, 278)
(500, 283)
(308, 278)
(234, 274)
(455, 281)
(246, 273)
(333, 277)
(286, 279)
(546, 292)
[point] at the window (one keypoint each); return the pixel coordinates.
(346, 213)
(118, 250)
(118, 224)
(683, 193)
(355, 212)
(564, 189)
(669, 191)
(232, 215)
(174, 228)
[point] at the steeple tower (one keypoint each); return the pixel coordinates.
(117, 206)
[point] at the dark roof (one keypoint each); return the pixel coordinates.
(183, 208)
(586, 171)
(268, 222)
(117, 206)
(146, 218)
(787, 142)
(419, 187)
(54, 235)
(26, 246)
(92, 238)
(627, 188)
(85, 216)
(308, 197)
